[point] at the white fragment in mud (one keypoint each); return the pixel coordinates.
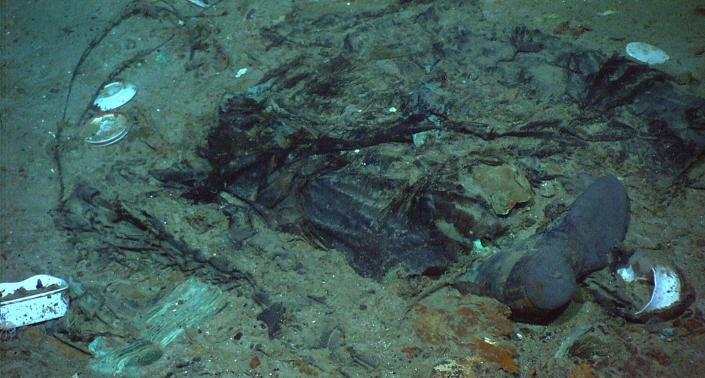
(646, 53)
(667, 290)
(627, 274)
(199, 3)
(241, 72)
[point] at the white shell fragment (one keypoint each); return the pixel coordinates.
(107, 129)
(667, 290)
(34, 300)
(115, 95)
(646, 53)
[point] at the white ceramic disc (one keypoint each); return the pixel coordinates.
(107, 129)
(646, 53)
(115, 95)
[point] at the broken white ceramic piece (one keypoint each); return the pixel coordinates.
(646, 53)
(667, 290)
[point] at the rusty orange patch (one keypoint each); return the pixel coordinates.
(465, 328)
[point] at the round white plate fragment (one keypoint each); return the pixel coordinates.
(107, 128)
(646, 53)
(115, 95)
